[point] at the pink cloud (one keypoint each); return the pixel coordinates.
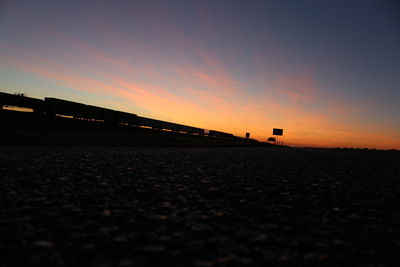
(205, 95)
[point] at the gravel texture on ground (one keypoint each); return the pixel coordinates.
(93, 206)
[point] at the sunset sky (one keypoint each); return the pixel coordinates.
(327, 72)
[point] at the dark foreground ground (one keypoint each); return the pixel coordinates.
(198, 207)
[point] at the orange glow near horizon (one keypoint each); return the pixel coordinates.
(189, 83)
(220, 110)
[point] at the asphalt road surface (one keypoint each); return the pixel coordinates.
(65, 206)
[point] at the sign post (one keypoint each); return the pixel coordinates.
(277, 132)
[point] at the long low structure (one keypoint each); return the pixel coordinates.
(55, 107)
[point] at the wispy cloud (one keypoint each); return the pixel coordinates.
(201, 92)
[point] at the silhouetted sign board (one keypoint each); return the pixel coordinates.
(276, 131)
(247, 135)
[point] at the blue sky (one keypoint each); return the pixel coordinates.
(325, 71)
